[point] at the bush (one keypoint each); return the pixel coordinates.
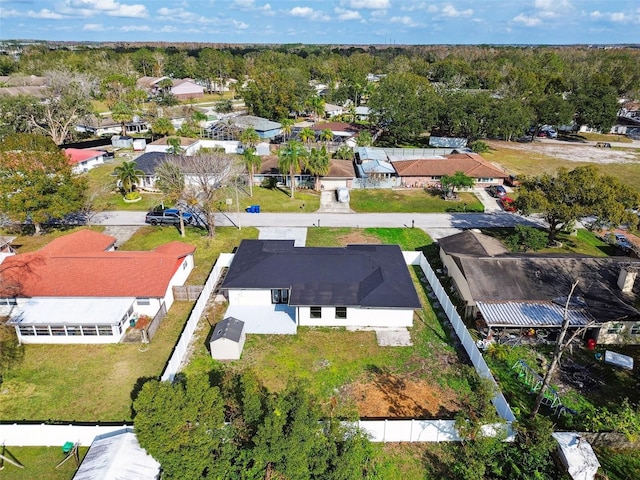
(479, 146)
(132, 196)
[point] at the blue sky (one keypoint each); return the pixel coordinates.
(325, 21)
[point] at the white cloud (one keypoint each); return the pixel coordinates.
(369, 4)
(169, 29)
(450, 11)
(91, 8)
(135, 28)
(527, 21)
(44, 13)
(308, 12)
(414, 7)
(251, 5)
(596, 15)
(618, 17)
(93, 27)
(379, 14)
(240, 25)
(347, 14)
(129, 11)
(405, 20)
(4, 13)
(432, 9)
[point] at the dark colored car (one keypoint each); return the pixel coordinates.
(168, 216)
(496, 191)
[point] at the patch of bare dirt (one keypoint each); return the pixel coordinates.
(398, 396)
(578, 153)
(358, 237)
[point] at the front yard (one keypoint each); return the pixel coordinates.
(410, 200)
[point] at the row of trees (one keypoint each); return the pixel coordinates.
(521, 86)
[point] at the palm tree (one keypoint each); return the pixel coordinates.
(286, 127)
(174, 145)
(318, 164)
(162, 126)
(291, 157)
(317, 106)
(249, 138)
(128, 173)
(326, 135)
(307, 135)
(251, 161)
(364, 139)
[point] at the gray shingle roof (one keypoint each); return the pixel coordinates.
(356, 275)
(230, 328)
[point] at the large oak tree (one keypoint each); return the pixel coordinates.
(569, 195)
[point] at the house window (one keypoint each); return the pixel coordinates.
(42, 331)
(280, 295)
(105, 330)
(8, 301)
(316, 312)
(341, 312)
(485, 180)
(73, 330)
(635, 329)
(436, 177)
(27, 331)
(143, 301)
(614, 328)
(184, 264)
(89, 330)
(58, 331)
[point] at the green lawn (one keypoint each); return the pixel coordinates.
(619, 464)
(40, 463)
(418, 201)
(278, 199)
(70, 382)
(584, 243)
(331, 358)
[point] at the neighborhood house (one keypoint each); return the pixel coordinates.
(512, 292)
(78, 289)
(273, 286)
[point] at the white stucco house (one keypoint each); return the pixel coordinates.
(84, 160)
(274, 287)
(78, 289)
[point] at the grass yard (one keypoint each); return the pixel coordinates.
(207, 248)
(278, 199)
(73, 382)
(529, 159)
(619, 464)
(348, 369)
(585, 243)
(419, 201)
(40, 462)
(88, 383)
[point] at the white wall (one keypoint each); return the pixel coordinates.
(249, 297)
(88, 164)
(230, 146)
(151, 309)
(181, 275)
(357, 317)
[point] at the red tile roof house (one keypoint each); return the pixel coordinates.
(427, 172)
(84, 160)
(78, 289)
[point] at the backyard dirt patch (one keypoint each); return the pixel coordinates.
(398, 396)
(573, 153)
(358, 237)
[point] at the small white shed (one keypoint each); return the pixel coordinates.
(228, 339)
(577, 455)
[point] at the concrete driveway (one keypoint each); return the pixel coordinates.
(490, 204)
(330, 204)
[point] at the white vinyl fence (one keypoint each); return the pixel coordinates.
(43, 435)
(501, 404)
(180, 351)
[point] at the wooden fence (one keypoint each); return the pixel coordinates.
(187, 293)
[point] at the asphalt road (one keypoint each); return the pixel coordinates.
(426, 221)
